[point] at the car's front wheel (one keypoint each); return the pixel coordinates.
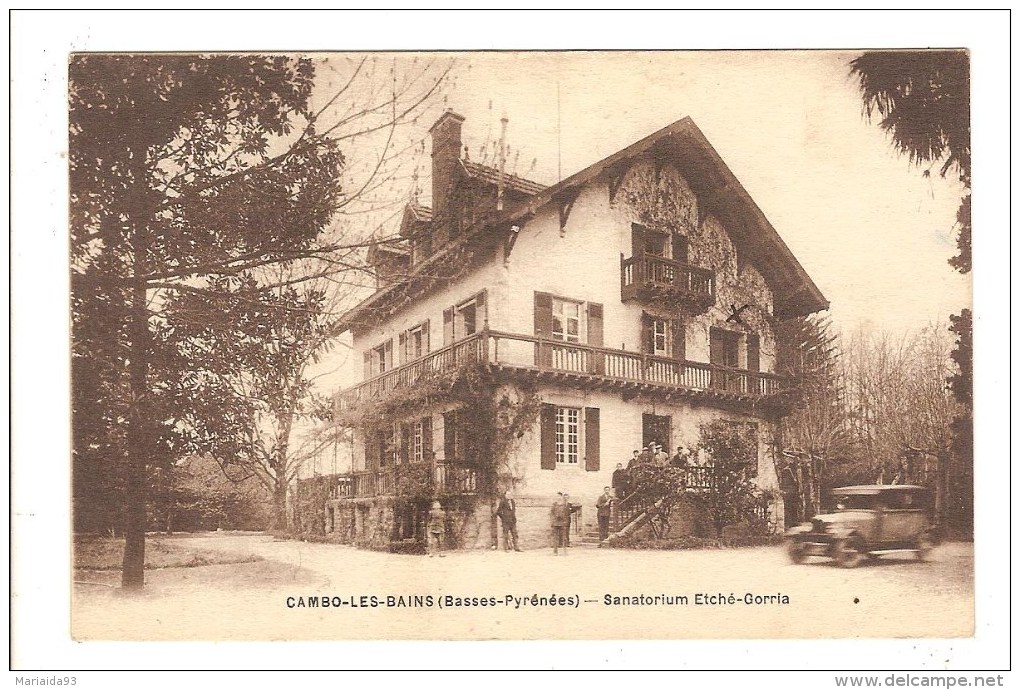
(796, 551)
(924, 547)
(849, 552)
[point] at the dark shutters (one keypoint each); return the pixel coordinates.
(647, 334)
(368, 364)
(548, 433)
(679, 340)
(481, 311)
(405, 451)
(637, 239)
(679, 248)
(425, 337)
(753, 352)
(598, 359)
(594, 324)
(543, 315)
(592, 449)
(447, 326)
(388, 354)
(754, 361)
(543, 328)
(715, 346)
(426, 439)
(450, 436)
(402, 348)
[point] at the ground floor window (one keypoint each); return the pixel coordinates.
(568, 435)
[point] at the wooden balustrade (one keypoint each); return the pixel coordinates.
(645, 275)
(525, 352)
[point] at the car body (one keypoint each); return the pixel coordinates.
(868, 521)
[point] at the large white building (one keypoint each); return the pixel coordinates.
(533, 337)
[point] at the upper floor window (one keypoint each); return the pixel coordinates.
(379, 359)
(414, 342)
(661, 243)
(465, 319)
(724, 347)
(663, 337)
(566, 320)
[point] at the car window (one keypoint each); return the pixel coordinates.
(855, 502)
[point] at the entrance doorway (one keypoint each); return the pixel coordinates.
(656, 429)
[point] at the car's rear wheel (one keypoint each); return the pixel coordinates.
(796, 551)
(849, 552)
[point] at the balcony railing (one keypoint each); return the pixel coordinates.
(558, 359)
(646, 276)
(444, 479)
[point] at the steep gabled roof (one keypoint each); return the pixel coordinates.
(716, 187)
(493, 176)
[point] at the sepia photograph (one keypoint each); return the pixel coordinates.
(520, 345)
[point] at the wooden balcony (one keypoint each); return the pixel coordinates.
(445, 479)
(647, 278)
(574, 364)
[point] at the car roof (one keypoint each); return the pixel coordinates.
(877, 488)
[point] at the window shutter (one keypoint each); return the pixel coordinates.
(447, 326)
(402, 348)
(679, 248)
(679, 340)
(481, 311)
(548, 423)
(753, 352)
(368, 364)
(637, 239)
(426, 438)
(715, 347)
(449, 436)
(388, 354)
(372, 450)
(543, 315)
(405, 444)
(595, 324)
(592, 449)
(425, 337)
(543, 328)
(647, 334)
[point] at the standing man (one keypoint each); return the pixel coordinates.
(661, 457)
(603, 507)
(571, 509)
(621, 482)
(560, 518)
(507, 512)
(634, 461)
(437, 529)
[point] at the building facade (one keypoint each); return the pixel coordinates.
(532, 337)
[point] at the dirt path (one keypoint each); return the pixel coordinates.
(894, 597)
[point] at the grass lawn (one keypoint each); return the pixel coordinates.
(103, 553)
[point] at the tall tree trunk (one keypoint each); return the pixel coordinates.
(280, 505)
(133, 573)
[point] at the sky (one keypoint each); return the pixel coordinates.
(871, 229)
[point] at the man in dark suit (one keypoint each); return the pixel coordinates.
(603, 508)
(507, 512)
(621, 481)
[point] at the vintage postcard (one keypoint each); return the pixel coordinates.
(521, 345)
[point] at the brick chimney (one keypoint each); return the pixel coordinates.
(446, 148)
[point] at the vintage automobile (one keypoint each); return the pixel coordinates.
(868, 521)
